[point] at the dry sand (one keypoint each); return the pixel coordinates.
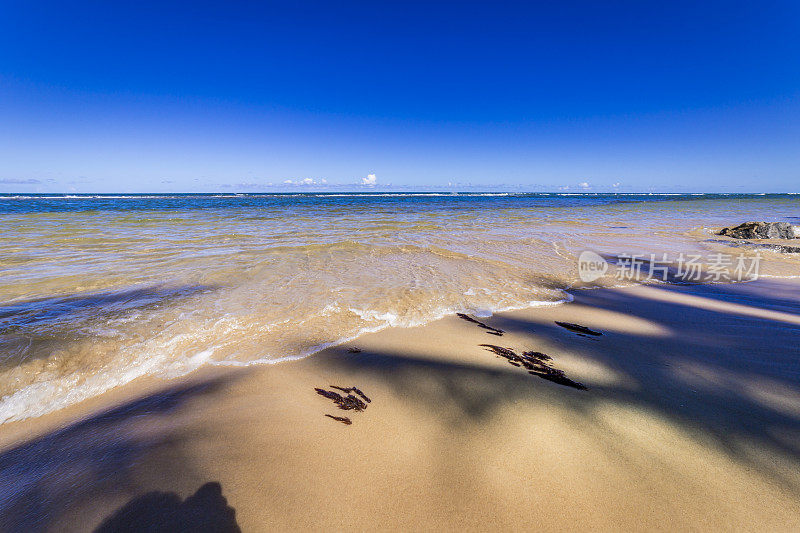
(691, 421)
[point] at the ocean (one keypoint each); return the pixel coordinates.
(97, 290)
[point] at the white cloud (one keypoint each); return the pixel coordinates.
(584, 185)
(370, 180)
(240, 186)
(617, 184)
(304, 181)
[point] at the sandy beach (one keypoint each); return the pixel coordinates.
(690, 421)
(399, 266)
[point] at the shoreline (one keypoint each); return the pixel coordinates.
(665, 436)
(215, 284)
(210, 370)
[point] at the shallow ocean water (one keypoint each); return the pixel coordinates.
(96, 290)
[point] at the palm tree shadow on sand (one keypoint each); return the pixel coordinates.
(205, 510)
(725, 377)
(41, 480)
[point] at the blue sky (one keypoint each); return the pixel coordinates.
(252, 96)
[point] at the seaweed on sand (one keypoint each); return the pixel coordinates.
(343, 419)
(348, 390)
(536, 363)
(577, 328)
(345, 403)
(490, 329)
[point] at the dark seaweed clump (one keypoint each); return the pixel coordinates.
(490, 329)
(536, 363)
(345, 403)
(348, 402)
(577, 328)
(347, 390)
(343, 419)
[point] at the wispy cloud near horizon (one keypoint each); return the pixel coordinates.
(19, 181)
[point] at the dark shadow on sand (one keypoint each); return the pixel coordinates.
(695, 375)
(206, 510)
(44, 478)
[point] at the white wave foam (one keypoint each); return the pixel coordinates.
(44, 397)
(391, 320)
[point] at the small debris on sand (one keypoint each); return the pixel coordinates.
(536, 363)
(347, 390)
(354, 349)
(508, 353)
(577, 328)
(343, 419)
(490, 329)
(345, 403)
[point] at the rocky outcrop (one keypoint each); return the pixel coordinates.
(762, 230)
(780, 248)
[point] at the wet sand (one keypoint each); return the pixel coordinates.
(690, 420)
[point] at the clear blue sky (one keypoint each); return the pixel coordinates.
(201, 96)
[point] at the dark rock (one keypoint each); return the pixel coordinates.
(778, 248)
(761, 230)
(788, 249)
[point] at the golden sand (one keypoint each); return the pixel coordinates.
(691, 421)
